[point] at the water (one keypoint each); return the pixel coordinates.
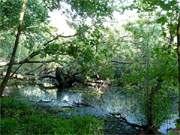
(84, 101)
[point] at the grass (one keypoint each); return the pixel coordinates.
(21, 118)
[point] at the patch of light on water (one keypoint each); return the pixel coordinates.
(65, 98)
(36, 94)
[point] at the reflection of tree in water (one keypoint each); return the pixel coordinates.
(122, 111)
(117, 126)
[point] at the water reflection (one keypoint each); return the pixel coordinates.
(34, 93)
(113, 100)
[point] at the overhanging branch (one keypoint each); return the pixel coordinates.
(37, 52)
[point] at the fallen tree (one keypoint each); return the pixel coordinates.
(19, 77)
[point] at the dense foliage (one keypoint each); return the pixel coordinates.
(142, 55)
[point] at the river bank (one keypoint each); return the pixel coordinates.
(21, 118)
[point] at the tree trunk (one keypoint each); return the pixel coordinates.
(150, 111)
(7, 76)
(149, 92)
(178, 60)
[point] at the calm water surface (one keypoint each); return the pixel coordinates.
(84, 101)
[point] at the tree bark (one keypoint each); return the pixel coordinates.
(12, 59)
(149, 91)
(178, 59)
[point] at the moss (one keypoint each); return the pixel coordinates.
(21, 118)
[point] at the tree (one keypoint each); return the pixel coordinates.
(178, 55)
(36, 29)
(167, 14)
(151, 71)
(12, 59)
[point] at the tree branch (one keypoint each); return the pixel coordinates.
(37, 52)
